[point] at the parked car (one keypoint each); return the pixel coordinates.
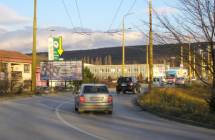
(125, 84)
(170, 80)
(180, 81)
(43, 90)
(158, 82)
(93, 97)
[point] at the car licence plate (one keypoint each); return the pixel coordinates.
(123, 85)
(96, 98)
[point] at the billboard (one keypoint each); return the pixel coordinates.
(55, 48)
(61, 70)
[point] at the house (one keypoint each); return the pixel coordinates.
(15, 67)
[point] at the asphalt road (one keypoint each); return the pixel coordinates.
(53, 118)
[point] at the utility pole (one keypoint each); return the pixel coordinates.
(194, 62)
(147, 59)
(209, 63)
(150, 47)
(202, 64)
(182, 57)
(190, 63)
(123, 46)
(34, 50)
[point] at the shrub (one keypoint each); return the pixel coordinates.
(4, 86)
(88, 76)
(180, 103)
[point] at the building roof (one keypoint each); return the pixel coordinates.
(14, 56)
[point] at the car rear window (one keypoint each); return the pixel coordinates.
(95, 89)
(124, 79)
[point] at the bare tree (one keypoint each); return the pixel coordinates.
(195, 23)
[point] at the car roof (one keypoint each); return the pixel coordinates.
(94, 84)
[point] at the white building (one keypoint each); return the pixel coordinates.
(115, 71)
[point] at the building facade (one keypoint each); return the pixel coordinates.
(135, 70)
(15, 67)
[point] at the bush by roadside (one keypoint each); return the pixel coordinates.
(186, 104)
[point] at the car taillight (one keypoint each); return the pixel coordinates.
(82, 99)
(110, 99)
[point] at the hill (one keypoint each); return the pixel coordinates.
(133, 54)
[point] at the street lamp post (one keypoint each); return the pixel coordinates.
(51, 82)
(123, 46)
(123, 42)
(34, 50)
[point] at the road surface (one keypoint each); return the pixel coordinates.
(53, 118)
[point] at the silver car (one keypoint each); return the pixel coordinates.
(180, 81)
(94, 97)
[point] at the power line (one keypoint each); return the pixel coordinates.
(67, 13)
(79, 14)
(115, 15)
(132, 6)
(130, 9)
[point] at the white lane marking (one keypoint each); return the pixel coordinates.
(57, 112)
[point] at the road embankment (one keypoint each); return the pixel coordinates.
(179, 104)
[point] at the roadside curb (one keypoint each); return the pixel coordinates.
(4, 99)
(176, 119)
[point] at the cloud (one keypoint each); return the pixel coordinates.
(166, 10)
(3, 29)
(21, 40)
(11, 17)
(162, 10)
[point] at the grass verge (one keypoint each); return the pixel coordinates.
(185, 105)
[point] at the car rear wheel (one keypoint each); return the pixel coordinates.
(76, 109)
(110, 112)
(117, 91)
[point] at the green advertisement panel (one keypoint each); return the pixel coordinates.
(55, 48)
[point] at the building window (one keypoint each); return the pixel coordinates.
(4, 67)
(26, 68)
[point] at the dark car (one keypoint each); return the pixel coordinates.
(43, 90)
(127, 84)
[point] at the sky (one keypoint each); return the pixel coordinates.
(95, 16)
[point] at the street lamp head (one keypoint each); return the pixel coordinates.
(128, 14)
